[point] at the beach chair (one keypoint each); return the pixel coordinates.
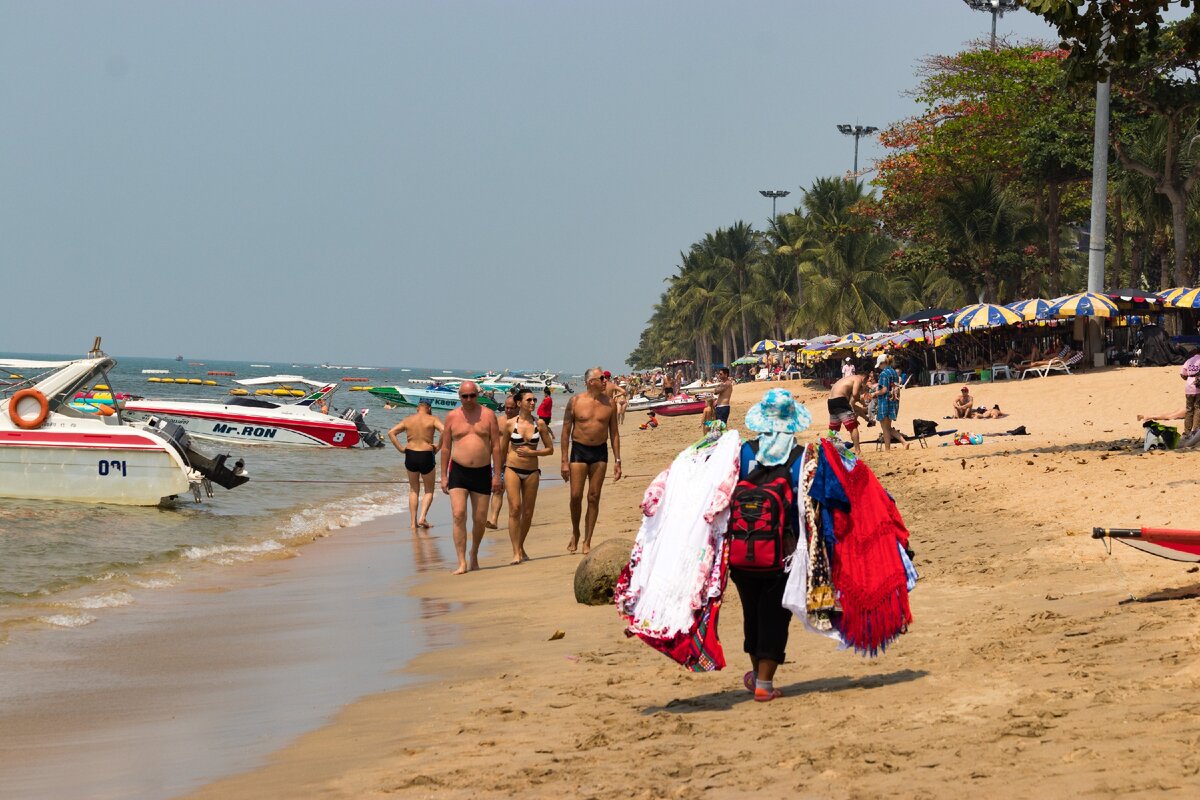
(1060, 363)
(1001, 369)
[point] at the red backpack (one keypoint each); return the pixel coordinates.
(760, 517)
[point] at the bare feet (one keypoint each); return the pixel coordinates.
(462, 570)
(574, 545)
(587, 548)
(474, 567)
(524, 556)
(515, 561)
(490, 524)
(423, 523)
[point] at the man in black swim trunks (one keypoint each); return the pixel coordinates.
(470, 469)
(418, 460)
(845, 402)
(589, 422)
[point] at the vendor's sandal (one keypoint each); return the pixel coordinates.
(763, 696)
(748, 681)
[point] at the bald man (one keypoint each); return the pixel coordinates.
(470, 469)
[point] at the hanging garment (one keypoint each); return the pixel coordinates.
(799, 588)
(675, 578)
(868, 573)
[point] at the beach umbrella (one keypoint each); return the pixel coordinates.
(1083, 304)
(984, 315)
(1134, 296)
(1169, 295)
(1029, 309)
(926, 316)
(1187, 298)
(765, 346)
(745, 360)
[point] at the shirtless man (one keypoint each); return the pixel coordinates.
(723, 393)
(846, 401)
(963, 404)
(470, 469)
(418, 460)
(496, 504)
(617, 394)
(589, 421)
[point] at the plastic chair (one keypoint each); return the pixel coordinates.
(1001, 369)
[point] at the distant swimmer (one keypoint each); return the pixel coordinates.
(470, 469)
(523, 440)
(418, 460)
(589, 423)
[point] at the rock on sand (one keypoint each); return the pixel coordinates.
(597, 573)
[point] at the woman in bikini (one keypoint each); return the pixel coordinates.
(519, 439)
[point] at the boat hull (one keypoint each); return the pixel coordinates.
(222, 423)
(438, 401)
(679, 409)
(122, 468)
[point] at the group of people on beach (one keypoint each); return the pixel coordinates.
(874, 397)
(482, 455)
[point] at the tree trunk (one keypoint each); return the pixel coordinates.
(1054, 234)
(1135, 263)
(1164, 275)
(1179, 229)
(1119, 245)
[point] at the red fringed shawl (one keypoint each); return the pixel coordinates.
(866, 569)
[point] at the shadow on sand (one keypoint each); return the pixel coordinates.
(724, 700)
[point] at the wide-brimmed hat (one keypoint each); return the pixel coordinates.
(778, 412)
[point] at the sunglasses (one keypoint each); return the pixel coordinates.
(469, 395)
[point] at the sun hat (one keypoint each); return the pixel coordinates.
(882, 358)
(778, 412)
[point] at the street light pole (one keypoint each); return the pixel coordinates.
(857, 131)
(997, 8)
(774, 194)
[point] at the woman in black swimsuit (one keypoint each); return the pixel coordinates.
(519, 439)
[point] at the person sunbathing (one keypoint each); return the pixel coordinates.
(1180, 414)
(988, 413)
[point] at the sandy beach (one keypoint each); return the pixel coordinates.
(1028, 671)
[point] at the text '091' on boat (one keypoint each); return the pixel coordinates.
(53, 450)
(309, 420)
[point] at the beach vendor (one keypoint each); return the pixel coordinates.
(776, 418)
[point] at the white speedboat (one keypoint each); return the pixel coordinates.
(50, 450)
(440, 398)
(267, 419)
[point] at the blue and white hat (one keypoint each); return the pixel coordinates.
(778, 412)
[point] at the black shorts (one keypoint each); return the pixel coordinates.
(419, 461)
(589, 453)
(477, 480)
(722, 413)
(764, 619)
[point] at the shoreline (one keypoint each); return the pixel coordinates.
(1020, 665)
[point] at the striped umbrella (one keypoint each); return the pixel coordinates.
(1186, 298)
(984, 315)
(1169, 295)
(1029, 309)
(765, 346)
(1083, 304)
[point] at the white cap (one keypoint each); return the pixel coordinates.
(879, 361)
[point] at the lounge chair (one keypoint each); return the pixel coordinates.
(1062, 363)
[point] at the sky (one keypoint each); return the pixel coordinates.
(448, 183)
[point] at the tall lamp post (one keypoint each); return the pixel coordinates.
(997, 8)
(857, 131)
(774, 194)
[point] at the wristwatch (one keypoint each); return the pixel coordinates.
(618, 461)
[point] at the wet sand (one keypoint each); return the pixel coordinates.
(207, 678)
(1026, 673)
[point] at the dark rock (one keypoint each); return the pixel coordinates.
(597, 573)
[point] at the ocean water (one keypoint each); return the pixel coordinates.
(63, 564)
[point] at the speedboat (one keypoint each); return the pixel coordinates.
(674, 406)
(259, 420)
(440, 398)
(50, 450)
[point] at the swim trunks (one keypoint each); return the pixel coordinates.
(589, 453)
(840, 414)
(722, 413)
(419, 461)
(477, 480)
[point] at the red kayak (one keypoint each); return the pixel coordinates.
(679, 407)
(1176, 545)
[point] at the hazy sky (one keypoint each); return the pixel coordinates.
(450, 183)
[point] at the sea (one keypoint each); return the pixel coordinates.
(63, 564)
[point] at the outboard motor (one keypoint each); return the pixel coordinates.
(367, 436)
(213, 469)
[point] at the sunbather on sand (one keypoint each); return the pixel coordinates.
(1180, 414)
(988, 413)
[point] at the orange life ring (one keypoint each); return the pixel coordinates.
(28, 423)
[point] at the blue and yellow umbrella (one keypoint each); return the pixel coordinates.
(1185, 298)
(1084, 304)
(983, 315)
(1169, 295)
(1029, 309)
(765, 346)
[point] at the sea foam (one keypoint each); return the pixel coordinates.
(67, 620)
(110, 600)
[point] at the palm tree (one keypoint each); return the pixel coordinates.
(982, 221)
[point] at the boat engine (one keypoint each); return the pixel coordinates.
(213, 470)
(367, 436)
